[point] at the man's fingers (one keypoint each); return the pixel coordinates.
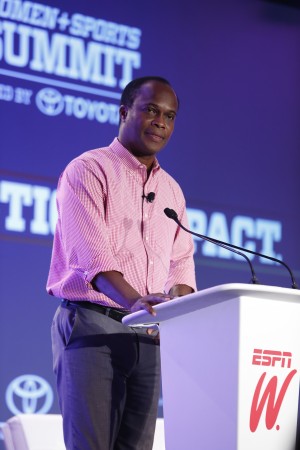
(149, 301)
(147, 305)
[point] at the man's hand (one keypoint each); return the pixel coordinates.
(180, 289)
(148, 301)
(116, 287)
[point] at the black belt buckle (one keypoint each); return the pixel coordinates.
(116, 315)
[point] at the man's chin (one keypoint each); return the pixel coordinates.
(154, 147)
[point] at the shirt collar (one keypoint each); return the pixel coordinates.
(128, 159)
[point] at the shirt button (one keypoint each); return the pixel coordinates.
(146, 216)
(147, 238)
(151, 262)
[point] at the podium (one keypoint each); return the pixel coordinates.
(230, 359)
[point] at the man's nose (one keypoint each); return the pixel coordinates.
(159, 121)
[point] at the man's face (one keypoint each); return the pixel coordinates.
(149, 123)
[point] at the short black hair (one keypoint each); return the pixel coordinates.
(131, 90)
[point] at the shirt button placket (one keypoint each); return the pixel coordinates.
(147, 239)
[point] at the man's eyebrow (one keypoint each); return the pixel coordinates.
(152, 104)
(158, 107)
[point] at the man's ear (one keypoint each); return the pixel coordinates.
(123, 112)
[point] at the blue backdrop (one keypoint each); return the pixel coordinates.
(235, 150)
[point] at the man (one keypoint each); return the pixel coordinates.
(116, 252)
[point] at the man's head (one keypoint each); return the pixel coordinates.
(147, 114)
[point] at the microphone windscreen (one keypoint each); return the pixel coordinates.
(170, 213)
(150, 197)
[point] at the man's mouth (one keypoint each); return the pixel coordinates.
(155, 137)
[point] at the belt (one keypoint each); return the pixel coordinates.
(113, 313)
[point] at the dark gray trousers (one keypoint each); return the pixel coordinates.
(108, 381)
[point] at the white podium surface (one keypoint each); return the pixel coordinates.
(230, 367)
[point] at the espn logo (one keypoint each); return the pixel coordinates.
(268, 395)
(271, 358)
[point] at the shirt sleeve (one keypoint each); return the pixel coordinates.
(81, 200)
(182, 265)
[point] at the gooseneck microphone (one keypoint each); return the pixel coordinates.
(149, 197)
(173, 215)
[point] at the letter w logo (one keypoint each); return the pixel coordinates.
(273, 405)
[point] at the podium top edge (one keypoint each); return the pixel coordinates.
(203, 298)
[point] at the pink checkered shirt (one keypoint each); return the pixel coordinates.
(104, 224)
